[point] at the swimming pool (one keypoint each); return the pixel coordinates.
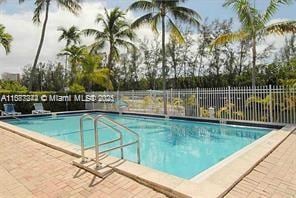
(179, 147)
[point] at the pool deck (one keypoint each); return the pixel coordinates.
(217, 181)
(29, 169)
(275, 176)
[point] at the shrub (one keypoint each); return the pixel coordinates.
(26, 107)
(76, 88)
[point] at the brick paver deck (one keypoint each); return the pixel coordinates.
(273, 177)
(29, 169)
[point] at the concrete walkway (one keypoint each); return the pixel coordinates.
(273, 177)
(29, 169)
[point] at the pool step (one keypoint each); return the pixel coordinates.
(90, 166)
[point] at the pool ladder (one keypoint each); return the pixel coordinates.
(102, 119)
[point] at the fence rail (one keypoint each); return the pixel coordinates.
(262, 103)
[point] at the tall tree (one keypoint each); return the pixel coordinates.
(165, 11)
(75, 54)
(5, 39)
(116, 34)
(71, 35)
(43, 6)
(92, 73)
(254, 25)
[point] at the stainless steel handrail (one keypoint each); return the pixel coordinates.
(82, 136)
(97, 151)
(83, 149)
(97, 119)
(132, 132)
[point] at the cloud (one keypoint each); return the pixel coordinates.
(26, 34)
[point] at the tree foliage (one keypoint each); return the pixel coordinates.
(5, 39)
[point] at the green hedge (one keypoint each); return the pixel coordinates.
(26, 107)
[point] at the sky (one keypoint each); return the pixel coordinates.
(18, 21)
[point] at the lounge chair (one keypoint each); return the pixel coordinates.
(9, 110)
(39, 109)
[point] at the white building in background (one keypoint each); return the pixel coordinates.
(10, 76)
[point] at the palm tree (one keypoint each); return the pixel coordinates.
(93, 74)
(165, 11)
(43, 6)
(75, 54)
(116, 34)
(71, 35)
(255, 25)
(5, 39)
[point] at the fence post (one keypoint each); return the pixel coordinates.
(179, 97)
(270, 104)
(229, 103)
(133, 98)
(118, 102)
(171, 102)
(104, 101)
(197, 103)
(93, 102)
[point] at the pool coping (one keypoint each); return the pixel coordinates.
(214, 182)
(273, 125)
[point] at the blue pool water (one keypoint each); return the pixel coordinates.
(178, 147)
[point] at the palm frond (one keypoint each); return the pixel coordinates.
(186, 15)
(151, 19)
(246, 13)
(175, 32)
(5, 39)
(145, 19)
(62, 36)
(71, 35)
(39, 7)
(229, 37)
(273, 8)
(154, 22)
(96, 46)
(142, 5)
(115, 53)
(91, 32)
(281, 28)
(125, 43)
(125, 33)
(101, 19)
(71, 5)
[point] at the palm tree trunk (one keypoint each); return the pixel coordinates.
(241, 58)
(254, 54)
(109, 62)
(42, 34)
(163, 67)
(66, 72)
